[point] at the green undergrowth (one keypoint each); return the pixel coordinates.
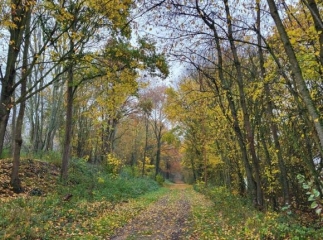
(232, 217)
(92, 183)
(90, 205)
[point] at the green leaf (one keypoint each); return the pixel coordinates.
(314, 205)
(316, 193)
(318, 211)
(311, 198)
(306, 186)
(300, 178)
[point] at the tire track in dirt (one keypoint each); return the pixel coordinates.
(168, 218)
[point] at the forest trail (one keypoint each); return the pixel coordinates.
(168, 218)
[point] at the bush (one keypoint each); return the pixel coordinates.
(92, 182)
(160, 179)
(113, 164)
(129, 172)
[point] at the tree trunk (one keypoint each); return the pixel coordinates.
(19, 15)
(146, 146)
(109, 135)
(205, 164)
(252, 187)
(193, 169)
(157, 167)
(312, 6)
(296, 71)
(68, 125)
(246, 118)
(270, 109)
(15, 181)
(55, 112)
(13, 127)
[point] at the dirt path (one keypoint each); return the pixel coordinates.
(168, 218)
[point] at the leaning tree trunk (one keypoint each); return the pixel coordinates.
(318, 23)
(297, 72)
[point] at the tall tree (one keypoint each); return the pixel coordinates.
(157, 96)
(270, 111)
(15, 181)
(19, 15)
(146, 106)
(297, 72)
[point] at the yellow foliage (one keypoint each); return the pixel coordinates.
(114, 164)
(148, 167)
(100, 180)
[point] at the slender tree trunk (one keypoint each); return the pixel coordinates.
(299, 103)
(246, 118)
(205, 164)
(69, 110)
(270, 108)
(252, 187)
(242, 186)
(109, 135)
(68, 125)
(157, 167)
(297, 72)
(145, 148)
(13, 126)
(193, 169)
(314, 10)
(19, 13)
(55, 112)
(15, 181)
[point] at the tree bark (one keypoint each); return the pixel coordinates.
(68, 125)
(15, 180)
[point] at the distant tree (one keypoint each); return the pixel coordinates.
(157, 118)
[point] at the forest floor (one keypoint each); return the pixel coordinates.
(45, 214)
(168, 218)
(37, 177)
(119, 208)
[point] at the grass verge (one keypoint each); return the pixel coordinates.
(231, 217)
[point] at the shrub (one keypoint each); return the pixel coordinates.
(113, 164)
(160, 179)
